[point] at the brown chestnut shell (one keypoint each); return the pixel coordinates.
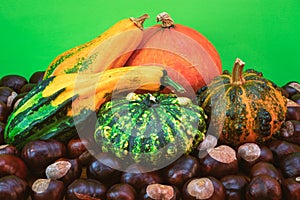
(13, 188)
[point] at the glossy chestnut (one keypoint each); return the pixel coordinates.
(209, 142)
(159, 191)
(181, 170)
(249, 154)
(291, 131)
(18, 99)
(7, 95)
(86, 189)
(2, 127)
(121, 191)
(296, 98)
(85, 158)
(13, 188)
(293, 111)
(282, 148)
(36, 77)
(76, 147)
(4, 112)
(219, 161)
(8, 149)
(235, 186)
(12, 165)
(208, 188)
(291, 188)
(104, 169)
(65, 170)
(292, 88)
(27, 88)
(137, 176)
(47, 189)
(38, 154)
(265, 168)
(16, 82)
(290, 165)
(263, 187)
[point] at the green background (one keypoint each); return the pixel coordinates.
(263, 33)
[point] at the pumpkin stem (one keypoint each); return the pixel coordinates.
(140, 20)
(237, 72)
(167, 81)
(166, 20)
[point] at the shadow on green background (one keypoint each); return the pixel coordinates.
(265, 34)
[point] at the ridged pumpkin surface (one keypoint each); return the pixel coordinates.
(148, 127)
(244, 106)
(189, 57)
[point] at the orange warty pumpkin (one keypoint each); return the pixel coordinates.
(189, 57)
(243, 106)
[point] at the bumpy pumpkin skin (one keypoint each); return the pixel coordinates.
(148, 127)
(243, 107)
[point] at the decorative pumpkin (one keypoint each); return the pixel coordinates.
(189, 57)
(243, 107)
(57, 104)
(150, 127)
(110, 49)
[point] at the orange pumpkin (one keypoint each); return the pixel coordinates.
(189, 57)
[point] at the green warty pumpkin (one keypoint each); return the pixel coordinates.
(148, 127)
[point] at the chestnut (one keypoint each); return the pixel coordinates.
(291, 131)
(209, 142)
(159, 191)
(4, 112)
(18, 99)
(208, 188)
(2, 128)
(47, 189)
(137, 176)
(282, 148)
(293, 111)
(290, 165)
(265, 168)
(27, 88)
(181, 170)
(36, 77)
(291, 188)
(16, 82)
(85, 158)
(296, 98)
(263, 187)
(292, 88)
(8, 149)
(219, 161)
(86, 189)
(65, 170)
(38, 154)
(76, 147)
(12, 165)
(7, 95)
(13, 188)
(235, 186)
(104, 168)
(249, 154)
(121, 191)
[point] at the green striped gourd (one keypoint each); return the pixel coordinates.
(57, 104)
(142, 125)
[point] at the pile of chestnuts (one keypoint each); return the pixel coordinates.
(50, 169)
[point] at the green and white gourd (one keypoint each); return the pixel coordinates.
(148, 127)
